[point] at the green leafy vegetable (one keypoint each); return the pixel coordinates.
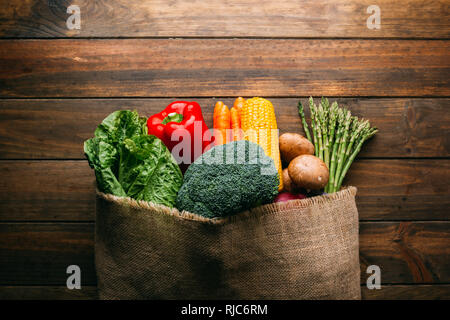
(128, 162)
(228, 179)
(147, 170)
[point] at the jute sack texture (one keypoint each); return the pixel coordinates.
(301, 249)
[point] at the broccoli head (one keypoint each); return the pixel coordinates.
(228, 179)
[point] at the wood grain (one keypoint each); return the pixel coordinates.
(408, 292)
(38, 254)
(47, 206)
(224, 67)
(217, 18)
(46, 191)
(56, 129)
(387, 292)
(415, 252)
(401, 189)
(47, 293)
(65, 190)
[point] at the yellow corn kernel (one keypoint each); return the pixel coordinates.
(257, 121)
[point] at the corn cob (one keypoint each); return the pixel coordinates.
(257, 122)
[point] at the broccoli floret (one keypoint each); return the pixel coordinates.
(228, 179)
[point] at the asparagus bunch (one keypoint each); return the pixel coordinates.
(337, 137)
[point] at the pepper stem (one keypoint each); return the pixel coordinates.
(172, 117)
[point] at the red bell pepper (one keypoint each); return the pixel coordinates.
(181, 120)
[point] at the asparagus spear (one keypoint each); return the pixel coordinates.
(341, 150)
(313, 127)
(325, 103)
(332, 115)
(305, 124)
(337, 136)
(319, 137)
(334, 153)
(319, 130)
(353, 135)
(359, 127)
(332, 124)
(323, 111)
(367, 134)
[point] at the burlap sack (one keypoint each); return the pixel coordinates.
(302, 249)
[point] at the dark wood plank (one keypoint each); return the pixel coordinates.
(64, 190)
(398, 189)
(289, 18)
(46, 191)
(225, 67)
(38, 254)
(406, 252)
(408, 292)
(56, 129)
(387, 292)
(47, 293)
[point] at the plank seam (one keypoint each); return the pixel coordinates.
(79, 222)
(358, 158)
(219, 97)
(226, 38)
(361, 284)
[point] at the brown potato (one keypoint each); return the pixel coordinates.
(288, 185)
(308, 172)
(293, 145)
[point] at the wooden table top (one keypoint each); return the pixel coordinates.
(58, 83)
